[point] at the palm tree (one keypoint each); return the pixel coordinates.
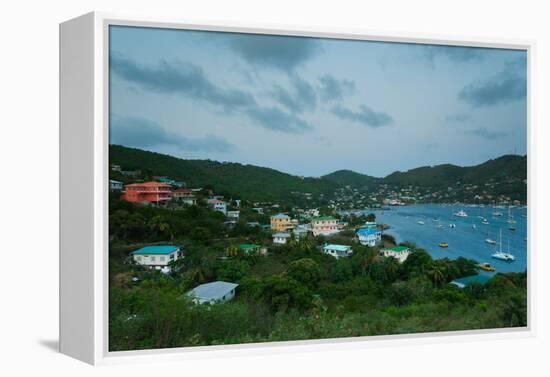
(306, 243)
(232, 251)
(437, 273)
(392, 266)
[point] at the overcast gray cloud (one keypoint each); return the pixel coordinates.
(189, 80)
(180, 78)
(279, 52)
(274, 119)
(458, 118)
(507, 86)
(294, 107)
(458, 54)
(486, 134)
(364, 115)
(299, 98)
(334, 89)
(144, 133)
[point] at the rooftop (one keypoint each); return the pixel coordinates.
(281, 235)
(156, 249)
(325, 218)
(337, 247)
(212, 291)
(248, 246)
(280, 216)
(397, 249)
(215, 201)
(148, 184)
(368, 231)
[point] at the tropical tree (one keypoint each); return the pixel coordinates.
(437, 273)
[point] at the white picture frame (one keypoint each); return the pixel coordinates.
(83, 190)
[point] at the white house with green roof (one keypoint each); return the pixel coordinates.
(156, 256)
(325, 226)
(401, 253)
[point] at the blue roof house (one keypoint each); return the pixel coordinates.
(213, 293)
(369, 236)
(157, 256)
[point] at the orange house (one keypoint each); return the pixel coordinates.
(150, 192)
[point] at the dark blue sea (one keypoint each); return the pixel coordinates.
(463, 240)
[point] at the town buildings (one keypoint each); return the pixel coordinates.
(184, 196)
(157, 256)
(147, 192)
(400, 253)
(115, 185)
(280, 238)
(337, 251)
(369, 236)
(213, 293)
(280, 222)
(218, 205)
(233, 215)
(325, 226)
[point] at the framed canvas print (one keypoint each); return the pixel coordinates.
(226, 187)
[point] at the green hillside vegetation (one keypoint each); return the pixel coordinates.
(239, 181)
(351, 178)
(502, 169)
(504, 175)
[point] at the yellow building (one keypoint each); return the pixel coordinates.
(280, 222)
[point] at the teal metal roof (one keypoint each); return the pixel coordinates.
(337, 247)
(156, 249)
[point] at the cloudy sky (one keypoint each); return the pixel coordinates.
(309, 106)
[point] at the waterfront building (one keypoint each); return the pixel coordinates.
(369, 236)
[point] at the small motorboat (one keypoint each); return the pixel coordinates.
(490, 241)
(443, 244)
(452, 226)
(421, 222)
(486, 267)
(461, 213)
(485, 222)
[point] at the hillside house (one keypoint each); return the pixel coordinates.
(156, 256)
(233, 215)
(401, 253)
(147, 192)
(281, 238)
(115, 185)
(280, 222)
(325, 226)
(184, 196)
(337, 251)
(218, 205)
(213, 293)
(369, 236)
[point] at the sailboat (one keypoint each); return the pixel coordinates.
(510, 217)
(502, 255)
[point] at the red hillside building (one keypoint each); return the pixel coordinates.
(150, 192)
